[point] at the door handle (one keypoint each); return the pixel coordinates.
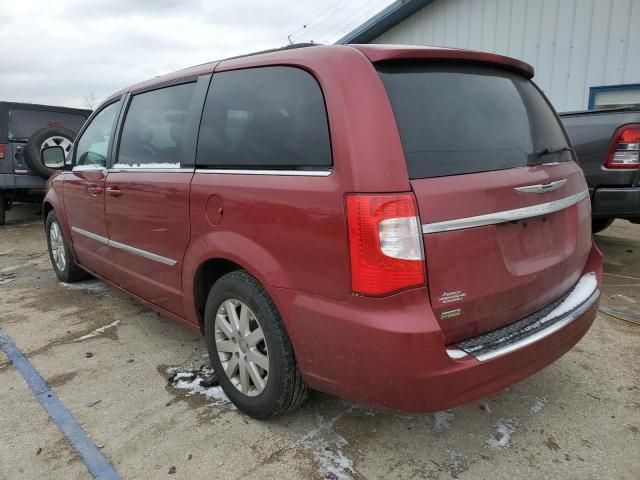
(94, 189)
(114, 191)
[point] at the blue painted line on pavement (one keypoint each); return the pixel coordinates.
(96, 462)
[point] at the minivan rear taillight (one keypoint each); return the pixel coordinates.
(385, 243)
(2, 151)
(625, 148)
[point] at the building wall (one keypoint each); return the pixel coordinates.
(572, 44)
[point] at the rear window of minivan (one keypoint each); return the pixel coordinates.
(455, 119)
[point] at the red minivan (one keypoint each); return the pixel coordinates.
(401, 226)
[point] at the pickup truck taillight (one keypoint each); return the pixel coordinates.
(385, 243)
(2, 147)
(625, 148)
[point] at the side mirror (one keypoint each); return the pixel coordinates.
(53, 157)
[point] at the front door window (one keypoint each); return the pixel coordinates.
(92, 146)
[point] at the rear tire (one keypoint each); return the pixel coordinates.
(600, 224)
(66, 269)
(282, 389)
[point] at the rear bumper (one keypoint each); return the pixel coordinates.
(616, 202)
(10, 181)
(391, 352)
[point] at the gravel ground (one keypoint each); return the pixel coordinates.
(109, 359)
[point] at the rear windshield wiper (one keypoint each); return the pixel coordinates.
(551, 150)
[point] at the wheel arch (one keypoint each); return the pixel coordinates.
(207, 274)
(212, 255)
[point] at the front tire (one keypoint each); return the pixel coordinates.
(66, 269)
(250, 350)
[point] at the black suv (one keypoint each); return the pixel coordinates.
(25, 129)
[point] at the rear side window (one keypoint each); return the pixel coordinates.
(24, 123)
(154, 134)
(457, 119)
(264, 118)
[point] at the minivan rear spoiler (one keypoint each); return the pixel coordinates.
(379, 53)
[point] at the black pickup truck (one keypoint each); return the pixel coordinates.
(25, 129)
(607, 143)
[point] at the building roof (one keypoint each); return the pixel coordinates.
(383, 21)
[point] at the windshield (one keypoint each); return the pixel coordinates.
(455, 119)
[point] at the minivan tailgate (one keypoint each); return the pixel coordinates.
(495, 254)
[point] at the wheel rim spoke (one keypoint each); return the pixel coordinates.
(257, 380)
(232, 366)
(258, 358)
(244, 319)
(244, 377)
(224, 326)
(255, 337)
(232, 315)
(225, 346)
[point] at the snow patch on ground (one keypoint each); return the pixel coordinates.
(326, 447)
(91, 286)
(97, 331)
(538, 405)
(442, 420)
(502, 437)
(191, 382)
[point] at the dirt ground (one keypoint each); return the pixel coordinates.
(109, 359)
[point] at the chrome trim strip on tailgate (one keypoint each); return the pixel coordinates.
(506, 215)
(126, 248)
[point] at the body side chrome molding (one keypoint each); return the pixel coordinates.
(506, 215)
(542, 188)
(126, 248)
(299, 173)
(93, 236)
(152, 170)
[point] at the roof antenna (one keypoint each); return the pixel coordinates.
(289, 37)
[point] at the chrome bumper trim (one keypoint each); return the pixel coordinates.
(564, 319)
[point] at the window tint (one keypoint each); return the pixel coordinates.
(91, 147)
(23, 123)
(154, 133)
(264, 118)
(456, 119)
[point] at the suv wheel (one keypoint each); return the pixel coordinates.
(46, 137)
(249, 348)
(66, 269)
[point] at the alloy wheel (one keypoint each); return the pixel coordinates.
(241, 347)
(56, 241)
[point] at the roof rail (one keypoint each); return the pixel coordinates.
(271, 50)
